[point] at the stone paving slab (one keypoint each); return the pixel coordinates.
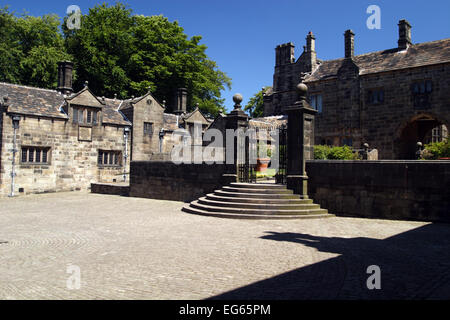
(133, 248)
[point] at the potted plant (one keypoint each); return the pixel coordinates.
(263, 162)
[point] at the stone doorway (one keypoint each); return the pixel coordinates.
(422, 128)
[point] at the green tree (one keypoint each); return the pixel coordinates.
(30, 48)
(125, 54)
(255, 106)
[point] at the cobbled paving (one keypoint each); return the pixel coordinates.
(131, 248)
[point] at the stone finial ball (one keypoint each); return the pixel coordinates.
(237, 98)
(302, 88)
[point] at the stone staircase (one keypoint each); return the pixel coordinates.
(256, 201)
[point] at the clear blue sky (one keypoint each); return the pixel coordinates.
(241, 35)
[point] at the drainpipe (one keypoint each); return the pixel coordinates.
(126, 131)
(15, 121)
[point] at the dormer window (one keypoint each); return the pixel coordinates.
(83, 115)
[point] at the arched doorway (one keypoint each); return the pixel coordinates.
(424, 128)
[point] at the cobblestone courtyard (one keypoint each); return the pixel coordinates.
(130, 248)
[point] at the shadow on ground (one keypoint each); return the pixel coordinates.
(414, 265)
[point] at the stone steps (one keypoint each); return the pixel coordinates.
(256, 201)
(212, 196)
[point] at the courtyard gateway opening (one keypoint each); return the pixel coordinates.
(423, 128)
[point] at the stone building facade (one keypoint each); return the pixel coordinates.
(66, 141)
(390, 99)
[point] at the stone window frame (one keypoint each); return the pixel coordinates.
(109, 158)
(313, 102)
(376, 96)
(147, 131)
(32, 153)
(421, 91)
(84, 113)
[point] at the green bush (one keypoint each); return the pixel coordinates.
(436, 150)
(323, 152)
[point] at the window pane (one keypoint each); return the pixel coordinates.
(381, 96)
(111, 158)
(105, 158)
(24, 154)
(319, 103)
(116, 158)
(89, 116)
(38, 155)
(422, 87)
(80, 116)
(313, 102)
(31, 155)
(95, 117)
(428, 85)
(44, 155)
(75, 115)
(100, 157)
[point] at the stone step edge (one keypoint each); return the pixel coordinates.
(204, 207)
(253, 200)
(262, 191)
(191, 210)
(295, 206)
(257, 185)
(296, 196)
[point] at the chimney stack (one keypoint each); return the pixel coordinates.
(284, 54)
(310, 42)
(349, 43)
(404, 34)
(65, 77)
(180, 101)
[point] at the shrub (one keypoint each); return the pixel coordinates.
(436, 150)
(324, 152)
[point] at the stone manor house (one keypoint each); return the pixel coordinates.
(65, 140)
(390, 99)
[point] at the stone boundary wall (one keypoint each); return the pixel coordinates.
(168, 181)
(109, 188)
(405, 190)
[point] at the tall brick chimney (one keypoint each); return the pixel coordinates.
(180, 101)
(65, 77)
(404, 34)
(349, 43)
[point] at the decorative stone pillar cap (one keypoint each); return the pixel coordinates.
(237, 98)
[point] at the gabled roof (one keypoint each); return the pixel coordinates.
(129, 103)
(187, 116)
(85, 97)
(48, 103)
(417, 55)
(33, 101)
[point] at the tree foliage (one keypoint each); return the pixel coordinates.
(30, 48)
(255, 106)
(125, 54)
(116, 51)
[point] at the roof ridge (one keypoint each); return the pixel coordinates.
(30, 87)
(395, 49)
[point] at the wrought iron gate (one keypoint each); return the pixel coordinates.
(246, 169)
(281, 174)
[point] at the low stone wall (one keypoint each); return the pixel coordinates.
(168, 181)
(111, 188)
(407, 190)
